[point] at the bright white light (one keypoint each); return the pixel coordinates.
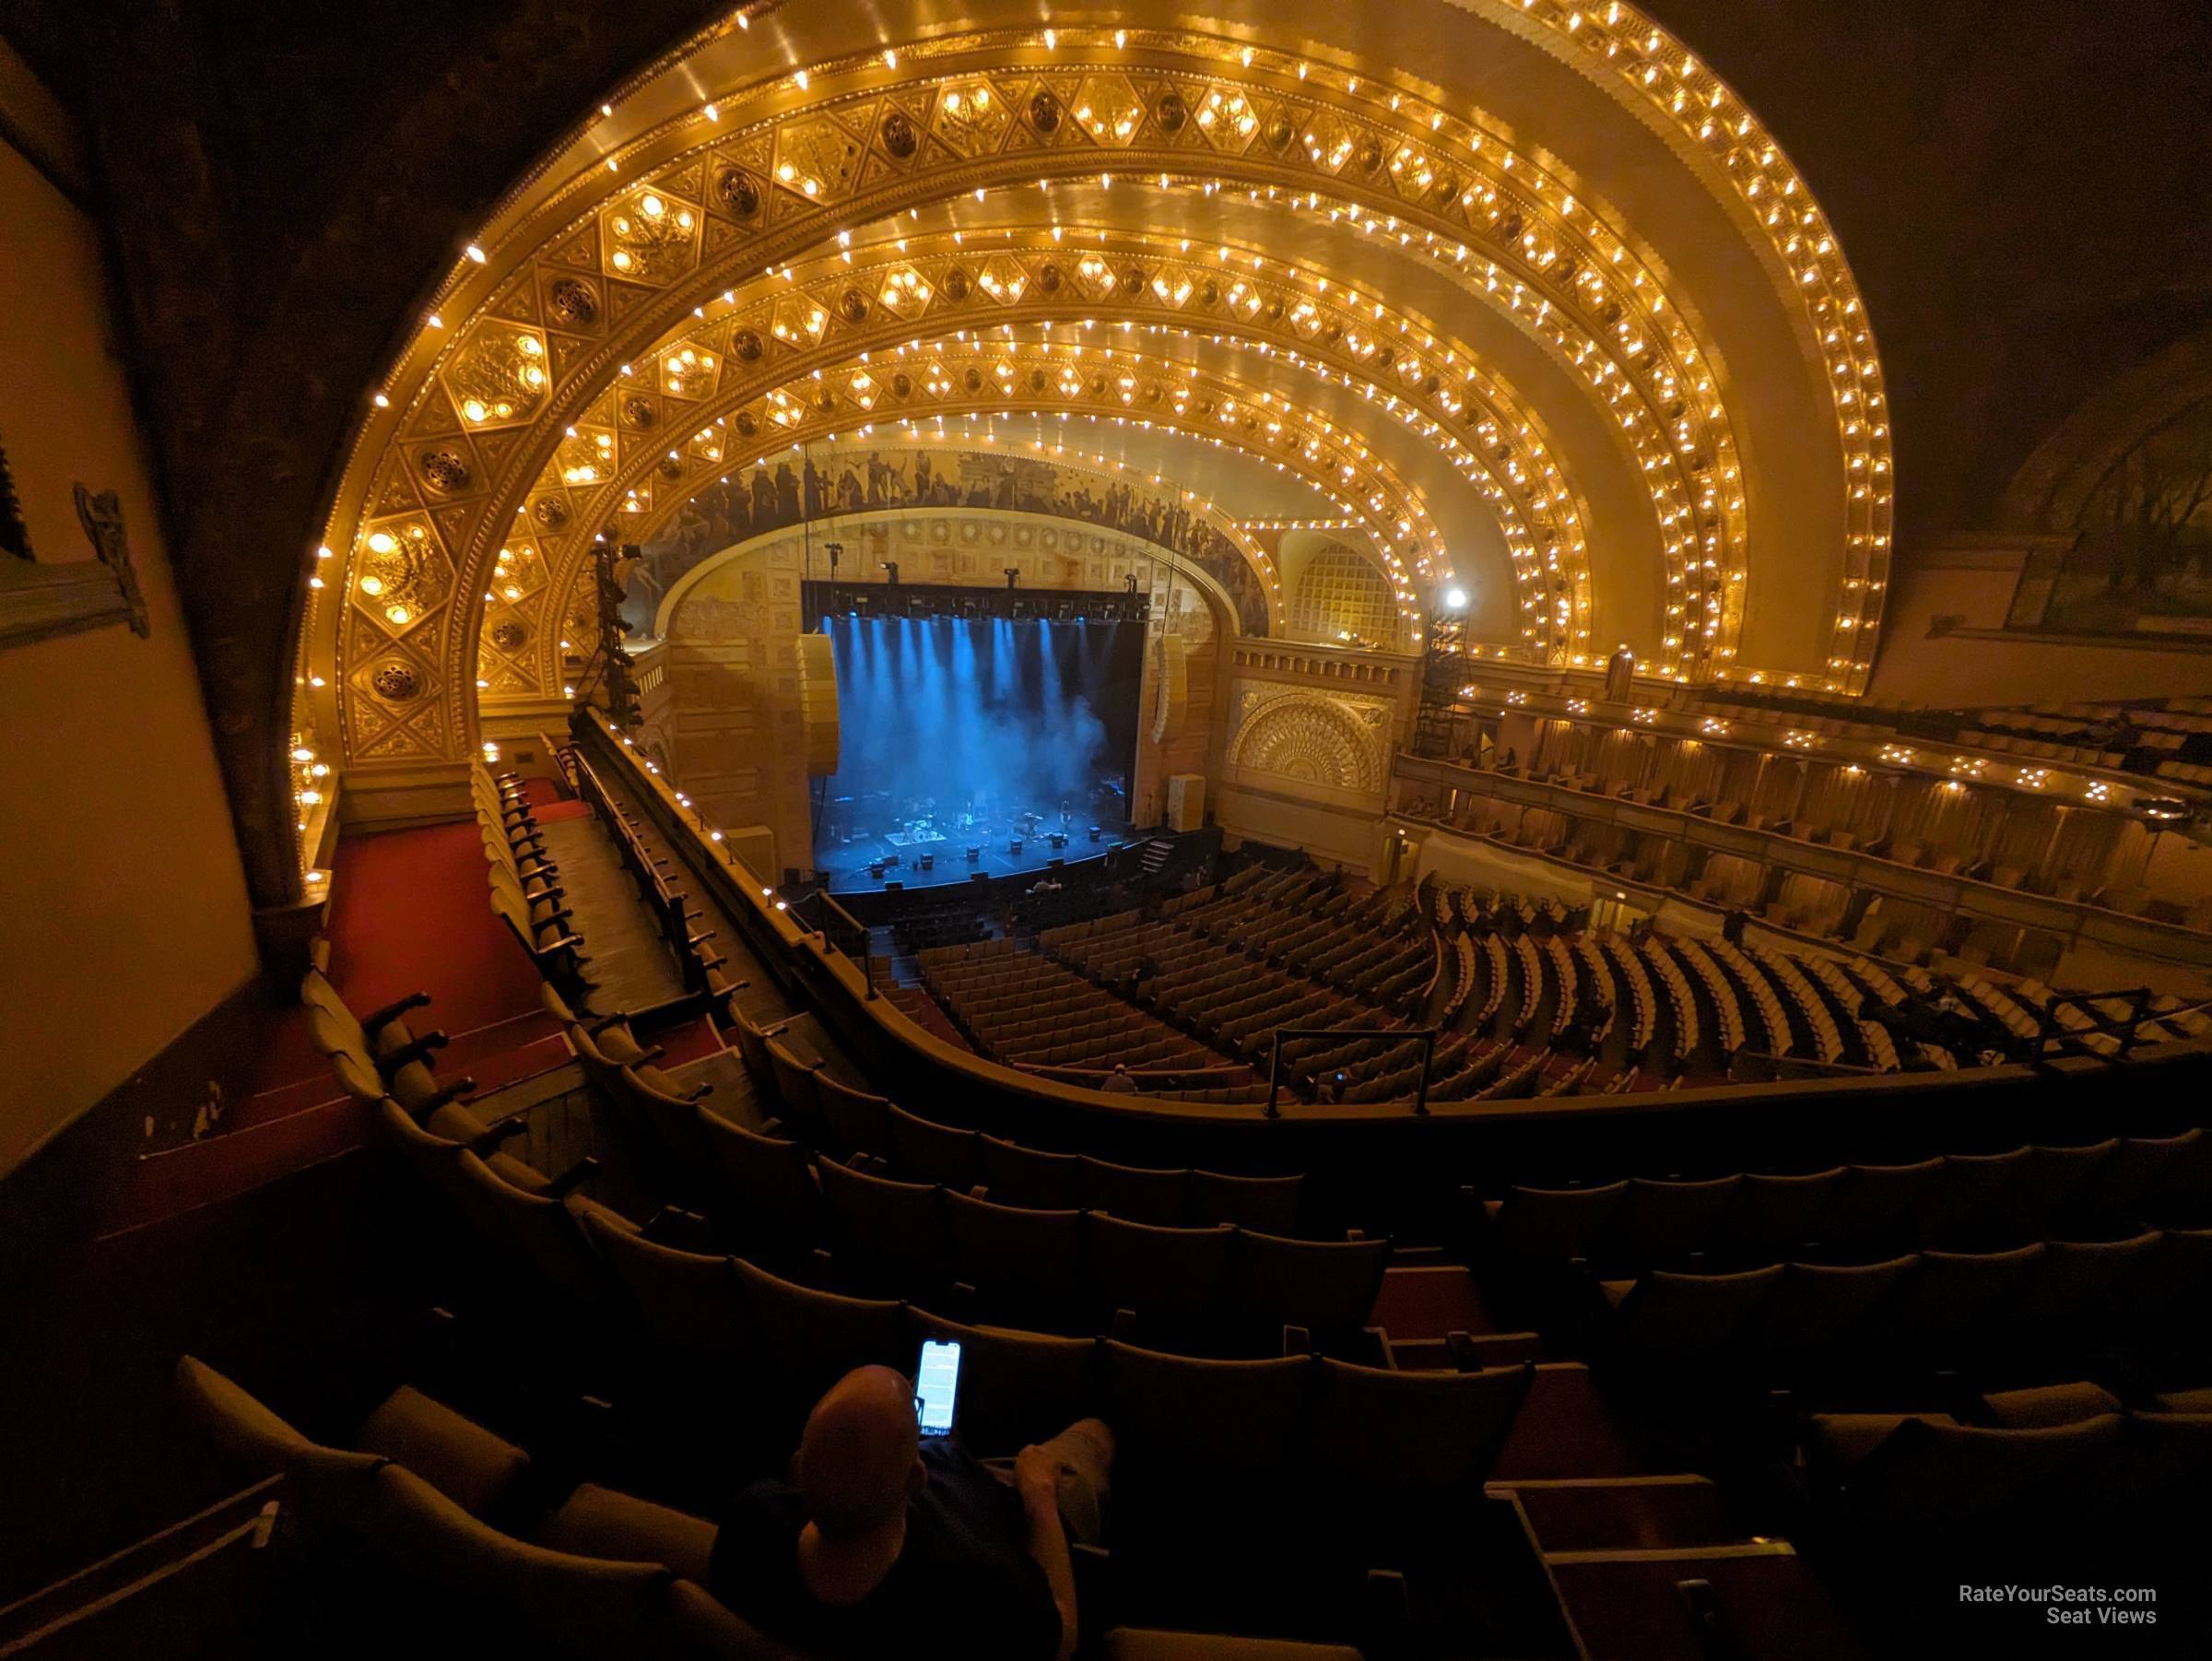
(1455, 599)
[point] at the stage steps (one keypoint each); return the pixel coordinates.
(1158, 852)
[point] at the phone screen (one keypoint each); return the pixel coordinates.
(936, 1382)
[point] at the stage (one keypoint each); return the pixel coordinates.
(983, 732)
(848, 867)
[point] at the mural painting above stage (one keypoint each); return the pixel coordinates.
(825, 485)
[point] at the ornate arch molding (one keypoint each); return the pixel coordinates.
(1435, 387)
(1311, 739)
(986, 379)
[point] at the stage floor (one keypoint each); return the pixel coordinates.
(845, 867)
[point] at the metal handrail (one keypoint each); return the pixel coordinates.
(1426, 1036)
(828, 904)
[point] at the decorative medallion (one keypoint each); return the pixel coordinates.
(638, 412)
(1171, 112)
(572, 303)
(508, 634)
(396, 682)
(1044, 113)
(900, 138)
(740, 192)
(957, 284)
(1049, 279)
(852, 306)
(746, 343)
(550, 513)
(443, 471)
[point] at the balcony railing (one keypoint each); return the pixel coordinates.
(2075, 920)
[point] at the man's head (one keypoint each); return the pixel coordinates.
(860, 1459)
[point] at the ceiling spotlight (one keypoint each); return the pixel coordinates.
(1455, 599)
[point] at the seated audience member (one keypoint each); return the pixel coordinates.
(887, 1544)
(1119, 1080)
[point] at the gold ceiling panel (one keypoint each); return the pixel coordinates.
(972, 116)
(500, 376)
(651, 236)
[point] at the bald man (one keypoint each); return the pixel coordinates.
(886, 1544)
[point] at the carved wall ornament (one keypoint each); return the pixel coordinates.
(39, 600)
(1336, 742)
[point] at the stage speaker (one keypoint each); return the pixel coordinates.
(979, 876)
(1014, 846)
(1186, 801)
(929, 862)
(1170, 684)
(1054, 864)
(818, 704)
(893, 887)
(974, 855)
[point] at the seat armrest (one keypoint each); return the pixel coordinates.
(408, 1054)
(383, 1018)
(496, 1134)
(574, 1177)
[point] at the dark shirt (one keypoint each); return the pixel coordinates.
(963, 1585)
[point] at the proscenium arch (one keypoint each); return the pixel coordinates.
(1822, 270)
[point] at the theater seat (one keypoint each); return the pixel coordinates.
(857, 1120)
(334, 1485)
(469, 1464)
(1150, 1643)
(933, 1152)
(601, 1523)
(768, 1183)
(1015, 1387)
(582, 1605)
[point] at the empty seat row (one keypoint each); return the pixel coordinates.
(2006, 1198)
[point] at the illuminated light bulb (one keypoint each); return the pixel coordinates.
(398, 615)
(380, 401)
(474, 253)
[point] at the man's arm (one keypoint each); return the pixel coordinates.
(1037, 1480)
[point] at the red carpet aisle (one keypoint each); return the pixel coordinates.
(407, 914)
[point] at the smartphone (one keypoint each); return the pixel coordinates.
(936, 1385)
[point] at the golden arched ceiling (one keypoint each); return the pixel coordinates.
(677, 218)
(1023, 288)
